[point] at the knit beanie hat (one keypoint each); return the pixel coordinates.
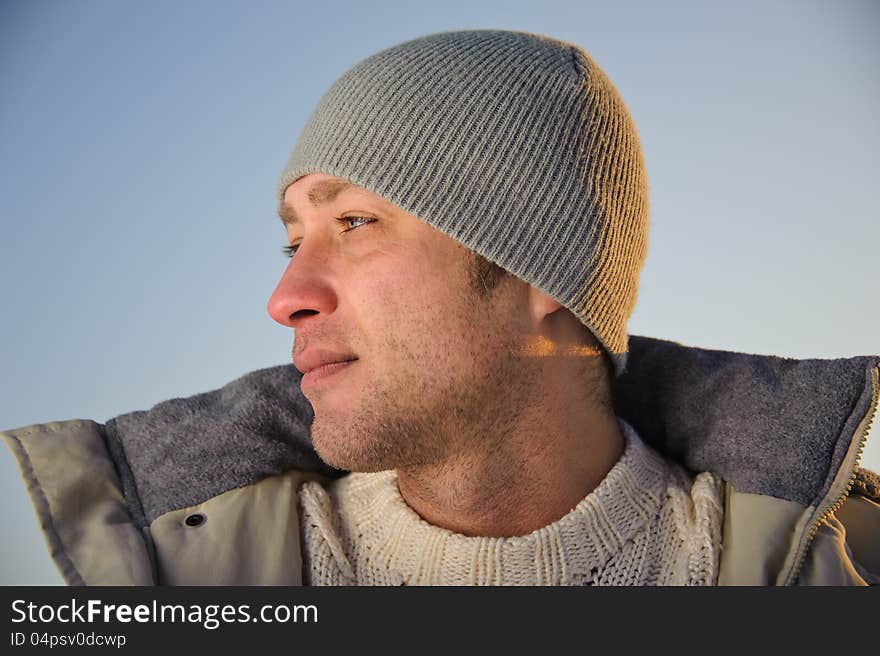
(516, 145)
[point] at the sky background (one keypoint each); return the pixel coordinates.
(141, 145)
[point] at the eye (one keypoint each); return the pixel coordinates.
(350, 223)
(357, 220)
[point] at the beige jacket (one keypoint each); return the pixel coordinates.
(203, 490)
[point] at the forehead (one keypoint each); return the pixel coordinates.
(317, 189)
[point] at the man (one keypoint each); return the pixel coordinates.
(488, 399)
(467, 217)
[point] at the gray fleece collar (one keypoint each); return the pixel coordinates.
(767, 424)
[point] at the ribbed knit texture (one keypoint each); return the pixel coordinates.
(515, 144)
(649, 522)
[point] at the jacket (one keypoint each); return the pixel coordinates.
(203, 490)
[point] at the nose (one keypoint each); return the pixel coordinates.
(305, 291)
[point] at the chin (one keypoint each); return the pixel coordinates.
(342, 451)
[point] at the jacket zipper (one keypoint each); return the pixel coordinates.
(834, 507)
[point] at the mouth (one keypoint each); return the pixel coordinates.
(323, 373)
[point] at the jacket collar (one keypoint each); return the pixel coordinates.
(768, 425)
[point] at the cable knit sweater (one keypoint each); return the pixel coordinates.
(649, 522)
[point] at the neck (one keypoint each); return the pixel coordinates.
(558, 447)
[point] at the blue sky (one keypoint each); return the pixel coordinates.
(141, 144)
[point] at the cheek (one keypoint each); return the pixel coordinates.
(413, 303)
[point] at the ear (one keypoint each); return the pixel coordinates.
(541, 305)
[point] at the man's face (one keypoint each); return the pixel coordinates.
(428, 364)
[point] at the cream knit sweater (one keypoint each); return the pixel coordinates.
(649, 522)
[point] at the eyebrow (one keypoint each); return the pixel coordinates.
(320, 193)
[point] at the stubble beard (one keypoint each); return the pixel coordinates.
(429, 411)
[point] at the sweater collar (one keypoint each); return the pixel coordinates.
(572, 548)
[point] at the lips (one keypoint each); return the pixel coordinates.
(312, 359)
(317, 364)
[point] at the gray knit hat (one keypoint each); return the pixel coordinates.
(517, 145)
